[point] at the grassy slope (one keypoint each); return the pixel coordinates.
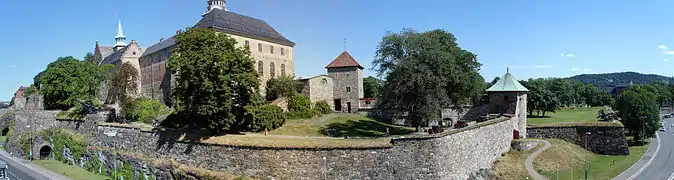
(511, 165)
(68, 170)
(567, 115)
(569, 159)
(344, 124)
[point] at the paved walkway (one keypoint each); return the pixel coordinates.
(529, 163)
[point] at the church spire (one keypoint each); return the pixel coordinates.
(120, 38)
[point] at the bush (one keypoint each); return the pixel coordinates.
(322, 107)
(144, 110)
(302, 114)
(265, 116)
(299, 103)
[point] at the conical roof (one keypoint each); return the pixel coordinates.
(507, 83)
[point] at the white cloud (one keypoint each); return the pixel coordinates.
(668, 52)
(663, 47)
(568, 54)
(666, 60)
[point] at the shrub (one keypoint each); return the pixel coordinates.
(302, 114)
(299, 103)
(265, 116)
(144, 110)
(322, 107)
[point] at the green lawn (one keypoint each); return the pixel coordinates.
(68, 170)
(566, 115)
(341, 124)
(599, 167)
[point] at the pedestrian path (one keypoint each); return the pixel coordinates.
(529, 163)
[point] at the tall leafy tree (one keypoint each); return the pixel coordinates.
(563, 90)
(214, 80)
(283, 86)
(495, 80)
(424, 73)
(540, 98)
(123, 84)
(68, 79)
(371, 87)
(89, 57)
(638, 112)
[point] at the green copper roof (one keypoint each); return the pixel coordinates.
(507, 83)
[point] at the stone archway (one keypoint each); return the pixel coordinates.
(5, 131)
(45, 152)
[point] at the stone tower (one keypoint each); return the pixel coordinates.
(120, 39)
(347, 77)
(507, 96)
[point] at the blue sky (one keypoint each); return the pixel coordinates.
(534, 38)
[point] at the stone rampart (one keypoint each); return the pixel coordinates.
(608, 138)
(456, 154)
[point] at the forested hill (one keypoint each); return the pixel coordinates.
(607, 81)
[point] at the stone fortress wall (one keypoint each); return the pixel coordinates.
(455, 154)
(609, 140)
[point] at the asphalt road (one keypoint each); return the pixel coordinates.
(661, 165)
(24, 170)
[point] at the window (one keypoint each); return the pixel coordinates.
(260, 68)
(134, 53)
(259, 47)
(272, 70)
(271, 49)
(246, 43)
(283, 52)
(168, 54)
(324, 81)
(348, 89)
(368, 102)
(283, 69)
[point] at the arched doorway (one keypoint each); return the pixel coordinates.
(5, 131)
(45, 152)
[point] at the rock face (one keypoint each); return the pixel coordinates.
(455, 155)
(602, 140)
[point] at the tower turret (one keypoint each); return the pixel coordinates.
(216, 4)
(120, 39)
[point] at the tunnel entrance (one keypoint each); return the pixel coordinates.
(5, 131)
(45, 152)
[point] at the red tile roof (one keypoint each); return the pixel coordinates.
(344, 60)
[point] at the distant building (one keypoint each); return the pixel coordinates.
(508, 96)
(119, 53)
(4, 104)
(620, 88)
(19, 92)
(272, 52)
(318, 88)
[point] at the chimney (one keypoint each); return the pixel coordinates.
(162, 39)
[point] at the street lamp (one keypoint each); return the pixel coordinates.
(113, 134)
(30, 140)
(588, 148)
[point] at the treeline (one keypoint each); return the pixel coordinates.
(547, 95)
(608, 81)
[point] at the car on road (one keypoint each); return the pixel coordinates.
(3, 170)
(662, 128)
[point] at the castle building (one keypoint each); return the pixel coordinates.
(508, 96)
(272, 52)
(119, 53)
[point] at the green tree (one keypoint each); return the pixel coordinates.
(540, 98)
(645, 89)
(123, 83)
(664, 95)
(37, 80)
(68, 79)
(563, 90)
(495, 80)
(639, 113)
(214, 80)
(580, 92)
(425, 72)
(89, 57)
(371, 87)
(283, 86)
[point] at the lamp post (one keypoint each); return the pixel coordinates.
(113, 134)
(30, 140)
(643, 133)
(586, 147)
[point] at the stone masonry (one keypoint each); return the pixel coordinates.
(451, 155)
(319, 88)
(602, 140)
(347, 86)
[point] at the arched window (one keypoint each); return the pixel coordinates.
(260, 68)
(272, 70)
(324, 81)
(283, 69)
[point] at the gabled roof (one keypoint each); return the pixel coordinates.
(507, 83)
(166, 43)
(238, 24)
(344, 60)
(117, 55)
(105, 51)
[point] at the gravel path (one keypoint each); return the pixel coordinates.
(529, 163)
